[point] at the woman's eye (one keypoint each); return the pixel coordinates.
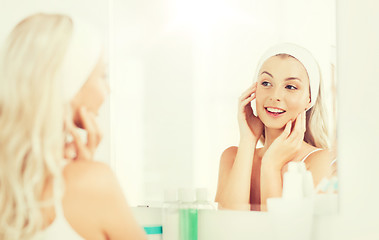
(266, 84)
(291, 87)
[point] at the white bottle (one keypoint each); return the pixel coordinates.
(291, 215)
(170, 215)
(308, 187)
(293, 182)
(202, 201)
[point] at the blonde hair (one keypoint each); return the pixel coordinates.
(31, 121)
(317, 129)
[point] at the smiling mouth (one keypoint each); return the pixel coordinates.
(274, 111)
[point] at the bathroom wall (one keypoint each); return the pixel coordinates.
(358, 125)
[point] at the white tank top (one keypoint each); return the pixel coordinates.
(59, 229)
(318, 149)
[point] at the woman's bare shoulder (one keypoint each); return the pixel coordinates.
(89, 175)
(319, 163)
(230, 152)
(89, 181)
(89, 189)
(227, 157)
(323, 156)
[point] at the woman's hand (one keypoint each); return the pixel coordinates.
(251, 127)
(286, 146)
(76, 148)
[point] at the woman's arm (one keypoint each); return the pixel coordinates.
(94, 203)
(233, 190)
(116, 216)
(280, 152)
(236, 164)
(271, 183)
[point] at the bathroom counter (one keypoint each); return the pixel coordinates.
(241, 225)
(238, 225)
(225, 224)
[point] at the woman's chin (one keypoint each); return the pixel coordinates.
(275, 123)
(275, 126)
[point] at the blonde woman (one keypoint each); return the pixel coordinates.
(52, 81)
(289, 119)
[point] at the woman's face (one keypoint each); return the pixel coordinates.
(282, 91)
(94, 91)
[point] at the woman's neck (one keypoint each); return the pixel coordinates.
(270, 136)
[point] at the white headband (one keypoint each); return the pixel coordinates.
(304, 57)
(81, 57)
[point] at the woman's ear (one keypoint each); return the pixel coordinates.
(309, 104)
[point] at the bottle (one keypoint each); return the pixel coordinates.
(202, 201)
(187, 215)
(326, 197)
(153, 232)
(308, 188)
(291, 215)
(150, 219)
(292, 182)
(170, 215)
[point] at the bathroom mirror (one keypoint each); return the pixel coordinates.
(176, 70)
(179, 68)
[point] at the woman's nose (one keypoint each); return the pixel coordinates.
(276, 94)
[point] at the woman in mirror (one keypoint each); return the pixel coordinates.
(53, 82)
(290, 121)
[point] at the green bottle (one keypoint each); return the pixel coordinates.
(187, 215)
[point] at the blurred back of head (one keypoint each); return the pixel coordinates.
(31, 120)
